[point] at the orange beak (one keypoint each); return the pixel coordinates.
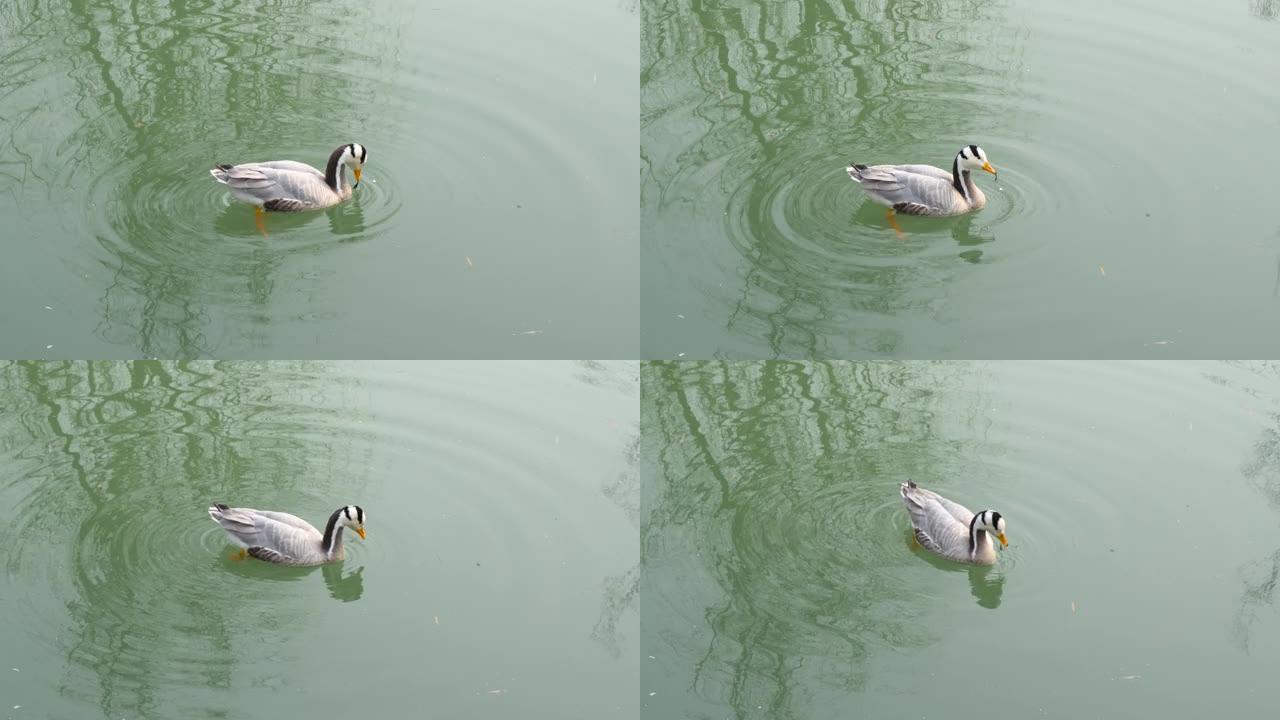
(985, 166)
(356, 171)
(1003, 541)
(360, 532)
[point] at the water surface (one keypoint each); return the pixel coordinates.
(1133, 215)
(779, 580)
(498, 578)
(497, 219)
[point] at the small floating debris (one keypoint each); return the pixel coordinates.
(1130, 677)
(527, 332)
(1160, 342)
(1102, 270)
(436, 618)
(496, 691)
(469, 263)
(46, 307)
(680, 316)
(1073, 607)
(48, 347)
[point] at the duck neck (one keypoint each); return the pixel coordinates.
(977, 537)
(332, 544)
(960, 180)
(335, 175)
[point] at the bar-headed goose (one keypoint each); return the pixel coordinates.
(925, 189)
(291, 186)
(951, 529)
(287, 539)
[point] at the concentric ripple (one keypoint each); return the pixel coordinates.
(126, 597)
(779, 563)
(757, 244)
(484, 125)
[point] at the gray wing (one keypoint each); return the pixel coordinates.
(936, 527)
(264, 530)
(961, 513)
(286, 188)
(288, 519)
(909, 192)
(292, 166)
(927, 170)
(271, 556)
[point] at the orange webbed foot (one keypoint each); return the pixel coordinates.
(893, 222)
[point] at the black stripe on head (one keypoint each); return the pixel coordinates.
(974, 148)
(360, 514)
(364, 155)
(346, 511)
(964, 153)
(351, 148)
(995, 520)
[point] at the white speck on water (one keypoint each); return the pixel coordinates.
(652, 657)
(679, 316)
(46, 307)
(679, 354)
(652, 694)
(48, 347)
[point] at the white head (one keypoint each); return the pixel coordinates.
(972, 157)
(350, 155)
(992, 522)
(354, 155)
(352, 516)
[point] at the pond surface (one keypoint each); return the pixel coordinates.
(1133, 216)
(497, 217)
(779, 579)
(498, 578)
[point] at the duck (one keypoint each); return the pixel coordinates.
(284, 539)
(925, 189)
(292, 186)
(952, 530)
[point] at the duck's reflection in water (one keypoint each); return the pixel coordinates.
(342, 586)
(986, 582)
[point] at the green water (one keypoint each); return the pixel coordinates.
(497, 217)
(1133, 216)
(498, 578)
(779, 580)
